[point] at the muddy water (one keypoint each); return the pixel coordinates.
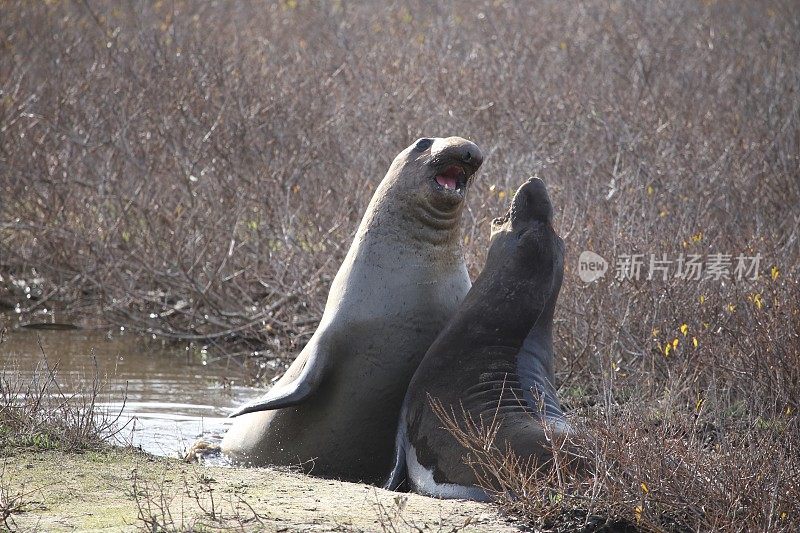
(170, 396)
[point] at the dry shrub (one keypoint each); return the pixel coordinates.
(37, 414)
(641, 468)
(196, 170)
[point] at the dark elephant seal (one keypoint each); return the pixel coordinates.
(335, 410)
(494, 358)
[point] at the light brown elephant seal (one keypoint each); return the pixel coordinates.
(335, 411)
(494, 358)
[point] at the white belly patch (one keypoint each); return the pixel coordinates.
(421, 481)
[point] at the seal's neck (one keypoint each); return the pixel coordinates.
(498, 304)
(497, 314)
(411, 220)
(433, 225)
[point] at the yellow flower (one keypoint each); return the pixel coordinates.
(638, 512)
(702, 298)
(684, 329)
(757, 301)
(774, 272)
(667, 349)
(656, 331)
(650, 190)
(694, 342)
(675, 343)
(731, 308)
(697, 237)
(644, 488)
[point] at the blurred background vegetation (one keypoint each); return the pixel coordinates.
(196, 170)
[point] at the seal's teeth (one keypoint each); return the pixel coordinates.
(447, 182)
(451, 178)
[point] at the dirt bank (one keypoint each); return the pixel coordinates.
(125, 490)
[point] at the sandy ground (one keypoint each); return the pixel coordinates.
(125, 490)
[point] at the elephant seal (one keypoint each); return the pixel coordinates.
(494, 359)
(335, 411)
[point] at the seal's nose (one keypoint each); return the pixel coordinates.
(459, 149)
(472, 157)
(469, 153)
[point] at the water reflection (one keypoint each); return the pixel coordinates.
(170, 397)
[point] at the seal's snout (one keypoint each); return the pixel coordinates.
(531, 202)
(455, 161)
(471, 155)
(468, 153)
(459, 151)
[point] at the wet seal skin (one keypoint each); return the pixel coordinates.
(494, 358)
(335, 410)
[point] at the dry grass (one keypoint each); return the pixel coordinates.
(13, 501)
(164, 510)
(643, 468)
(36, 413)
(196, 170)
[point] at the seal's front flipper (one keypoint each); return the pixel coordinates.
(397, 476)
(300, 388)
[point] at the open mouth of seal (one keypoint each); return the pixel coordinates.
(452, 178)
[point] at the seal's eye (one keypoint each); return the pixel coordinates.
(423, 144)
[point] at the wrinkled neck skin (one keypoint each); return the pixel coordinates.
(410, 217)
